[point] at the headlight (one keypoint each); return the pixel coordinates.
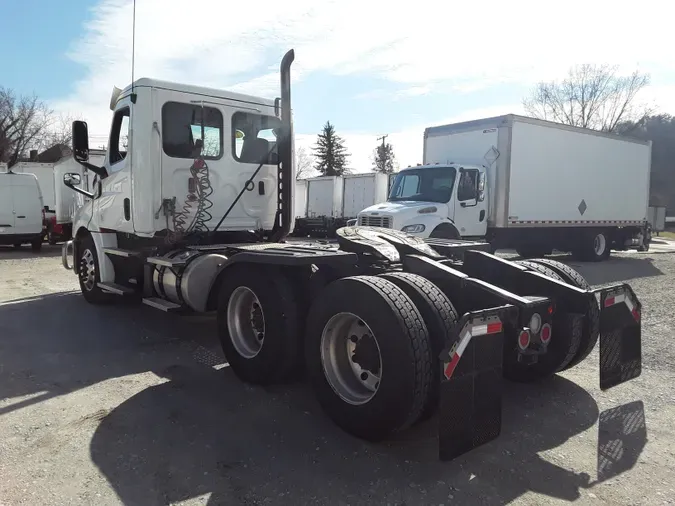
(413, 229)
(428, 210)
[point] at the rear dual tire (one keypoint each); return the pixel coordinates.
(394, 330)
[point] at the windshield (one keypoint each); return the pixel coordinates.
(433, 184)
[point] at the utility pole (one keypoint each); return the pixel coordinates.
(384, 162)
(383, 138)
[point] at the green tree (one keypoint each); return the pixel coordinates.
(330, 152)
(384, 159)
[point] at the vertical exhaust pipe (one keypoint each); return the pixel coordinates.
(285, 186)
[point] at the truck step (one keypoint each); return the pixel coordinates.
(120, 252)
(166, 262)
(161, 304)
(115, 288)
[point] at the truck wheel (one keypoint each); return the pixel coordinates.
(89, 275)
(439, 316)
(561, 350)
(595, 247)
(258, 323)
(591, 328)
(368, 356)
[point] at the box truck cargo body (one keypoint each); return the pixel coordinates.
(527, 184)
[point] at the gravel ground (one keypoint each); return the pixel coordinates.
(127, 405)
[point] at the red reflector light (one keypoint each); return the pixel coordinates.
(551, 309)
(636, 314)
(524, 339)
(545, 333)
(494, 328)
(609, 301)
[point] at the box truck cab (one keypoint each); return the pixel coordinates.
(441, 200)
(22, 214)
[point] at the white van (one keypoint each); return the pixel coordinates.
(22, 214)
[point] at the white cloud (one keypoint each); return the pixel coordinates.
(460, 46)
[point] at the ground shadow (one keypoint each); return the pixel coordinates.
(54, 344)
(614, 270)
(203, 432)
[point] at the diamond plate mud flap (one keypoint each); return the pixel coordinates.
(470, 411)
(620, 335)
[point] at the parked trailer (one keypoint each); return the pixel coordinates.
(389, 327)
(527, 184)
(333, 201)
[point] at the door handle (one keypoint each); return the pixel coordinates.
(21, 216)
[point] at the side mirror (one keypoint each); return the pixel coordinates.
(72, 179)
(80, 141)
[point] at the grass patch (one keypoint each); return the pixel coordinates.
(667, 235)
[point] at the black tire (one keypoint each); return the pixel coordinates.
(405, 351)
(277, 358)
(587, 249)
(445, 231)
(439, 316)
(91, 292)
(561, 350)
(36, 245)
(591, 329)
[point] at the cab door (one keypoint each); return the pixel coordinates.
(112, 207)
(471, 204)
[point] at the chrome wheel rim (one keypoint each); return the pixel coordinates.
(351, 358)
(245, 322)
(599, 244)
(88, 270)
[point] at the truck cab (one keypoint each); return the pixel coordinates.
(441, 200)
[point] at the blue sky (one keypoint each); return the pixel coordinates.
(370, 68)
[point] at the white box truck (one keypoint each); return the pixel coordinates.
(525, 184)
(60, 202)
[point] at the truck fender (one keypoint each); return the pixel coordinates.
(446, 230)
(101, 240)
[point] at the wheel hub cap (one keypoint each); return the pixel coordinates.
(88, 270)
(245, 322)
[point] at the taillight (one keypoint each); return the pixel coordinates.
(545, 335)
(524, 339)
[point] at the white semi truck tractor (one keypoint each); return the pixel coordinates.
(190, 212)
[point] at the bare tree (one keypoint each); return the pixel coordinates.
(304, 164)
(27, 123)
(23, 122)
(591, 96)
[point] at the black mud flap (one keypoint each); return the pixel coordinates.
(620, 335)
(470, 411)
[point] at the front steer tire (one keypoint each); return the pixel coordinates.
(404, 350)
(89, 274)
(277, 358)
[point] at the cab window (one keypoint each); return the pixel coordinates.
(119, 137)
(254, 138)
(467, 189)
(189, 130)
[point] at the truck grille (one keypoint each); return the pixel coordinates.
(375, 221)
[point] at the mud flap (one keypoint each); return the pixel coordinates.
(470, 411)
(620, 335)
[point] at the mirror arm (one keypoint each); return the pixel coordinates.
(99, 171)
(80, 190)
